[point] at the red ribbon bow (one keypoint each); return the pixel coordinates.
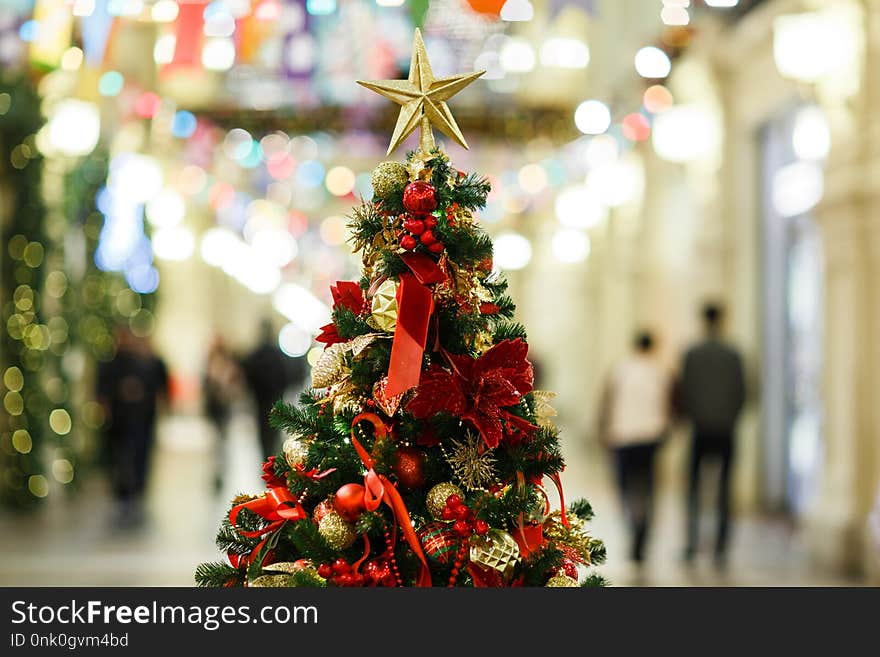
(278, 506)
(378, 488)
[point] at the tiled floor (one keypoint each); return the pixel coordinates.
(73, 541)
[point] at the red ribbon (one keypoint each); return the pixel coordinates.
(378, 488)
(558, 483)
(278, 506)
(414, 307)
(423, 268)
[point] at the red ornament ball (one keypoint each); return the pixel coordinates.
(454, 501)
(420, 197)
(340, 567)
(325, 570)
(439, 542)
(428, 238)
(430, 221)
(414, 226)
(408, 242)
(409, 466)
(436, 247)
(349, 501)
(481, 527)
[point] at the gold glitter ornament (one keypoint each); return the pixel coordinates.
(331, 367)
(338, 533)
(436, 500)
(388, 178)
(296, 451)
(384, 306)
(496, 550)
(472, 463)
(274, 581)
(562, 581)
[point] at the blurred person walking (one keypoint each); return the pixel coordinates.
(129, 387)
(634, 415)
(712, 394)
(222, 385)
(268, 375)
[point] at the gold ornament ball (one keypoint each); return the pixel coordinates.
(388, 178)
(296, 450)
(436, 500)
(338, 533)
(562, 581)
(497, 550)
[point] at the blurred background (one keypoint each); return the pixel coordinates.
(174, 180)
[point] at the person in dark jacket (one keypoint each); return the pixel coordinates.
(712, 394)
(130, 387)
(268, 373)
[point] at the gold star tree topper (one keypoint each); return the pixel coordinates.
(422, 98)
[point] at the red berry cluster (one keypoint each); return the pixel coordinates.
(420, 230)
(464, 524)
(420, 200)
(340, 573)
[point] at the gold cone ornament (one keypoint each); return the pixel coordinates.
(422, 99)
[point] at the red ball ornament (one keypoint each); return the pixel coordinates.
(349, 501)
(439, 542)
(419, 197)
(340, 567)
(428, 238)
(436, 247)
(325, 570)
(430, 221)
(463, 513)
(454, 501)
(481, 527)
(409, 466)
(415, 226)
(408, 242)
(448, 514)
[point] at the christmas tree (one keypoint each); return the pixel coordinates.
(418, 456)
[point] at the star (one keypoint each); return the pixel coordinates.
(422, 98)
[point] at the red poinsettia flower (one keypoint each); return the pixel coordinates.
(269, 475)
(347, 294)
(479, 389)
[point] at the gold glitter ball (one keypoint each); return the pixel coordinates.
(496, 550)
(274, 581)
(338, 533)
(562, 581)
(436, 500)
(388, 178)
(296, 450)
(384, 305)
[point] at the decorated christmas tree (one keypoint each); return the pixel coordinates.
(420, 454)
